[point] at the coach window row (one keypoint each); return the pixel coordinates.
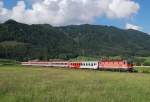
(88, 64)
(84, 64)
(60, 63)
(114, 62)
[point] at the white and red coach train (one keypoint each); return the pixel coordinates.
(100, 65)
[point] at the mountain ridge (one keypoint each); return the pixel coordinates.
(43, 41)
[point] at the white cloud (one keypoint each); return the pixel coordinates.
(65, 12)
(122, 8)
(4, 13)
(131, 26)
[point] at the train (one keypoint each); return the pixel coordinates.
(115, 65)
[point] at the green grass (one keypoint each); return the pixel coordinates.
(143, 69)
(39, 84)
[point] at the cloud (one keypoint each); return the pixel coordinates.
(66, 12)
(131, 26)
(4, 13)
(122, 8)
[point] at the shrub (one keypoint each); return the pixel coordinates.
(8, 62)
(146, 63)
(145, 71)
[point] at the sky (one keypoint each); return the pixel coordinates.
(125, 14)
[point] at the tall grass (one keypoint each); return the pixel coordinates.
(143, 69)
(39, 84)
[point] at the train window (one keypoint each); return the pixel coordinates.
(91, 64)
(124, 62)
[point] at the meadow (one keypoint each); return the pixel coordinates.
(40, 84)
(143, 69)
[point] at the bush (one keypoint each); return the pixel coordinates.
(8, 62)
(146, 63)
(145, 71)
(139, 61)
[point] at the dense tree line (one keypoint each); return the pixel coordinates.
(23, 42)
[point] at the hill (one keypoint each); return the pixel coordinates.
(43, 41)
(105, 40)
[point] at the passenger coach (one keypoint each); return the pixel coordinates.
(84, 65)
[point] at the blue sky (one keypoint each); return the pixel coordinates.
(141, 18)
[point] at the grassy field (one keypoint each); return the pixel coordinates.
(30, 84)
(143, 69)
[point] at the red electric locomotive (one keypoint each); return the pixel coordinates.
(121, 65)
